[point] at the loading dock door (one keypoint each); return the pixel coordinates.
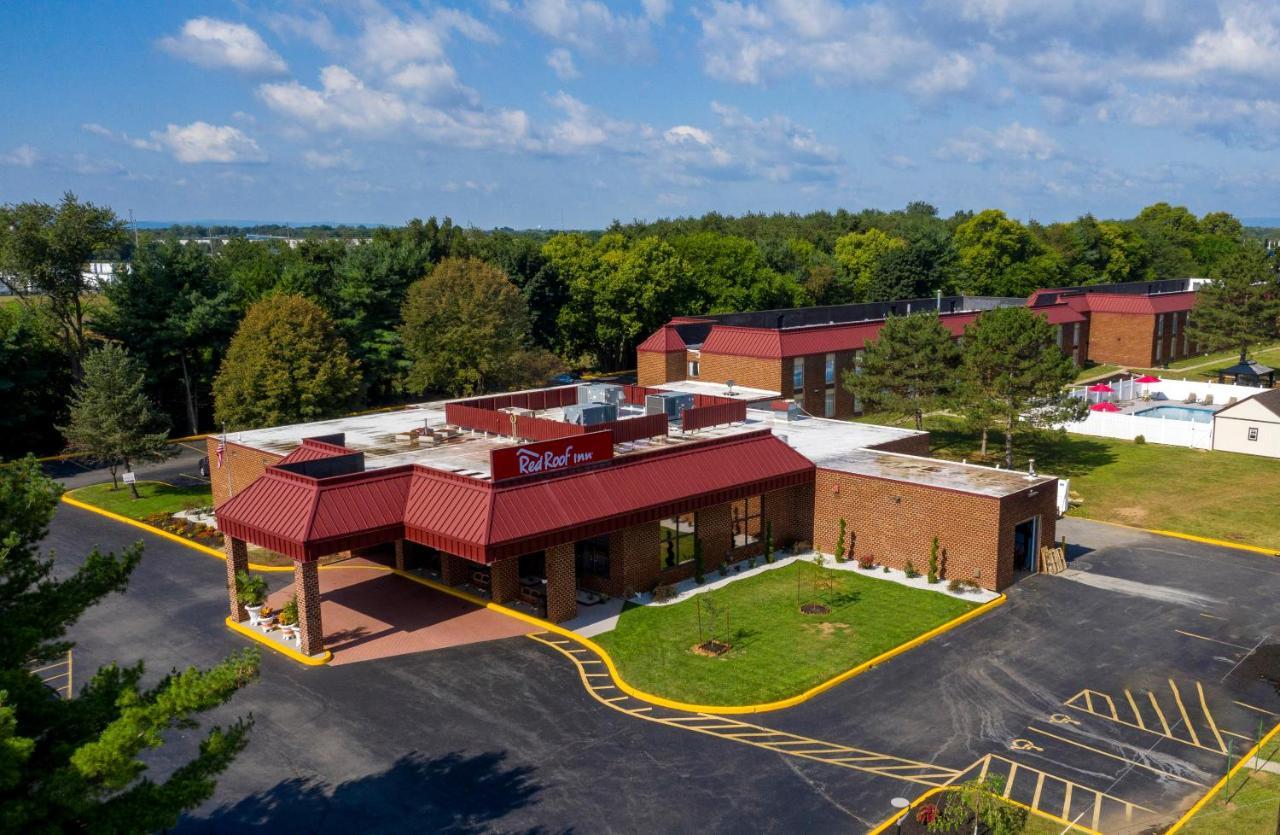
(1025, 536)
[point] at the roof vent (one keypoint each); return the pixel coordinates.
(1031, 469)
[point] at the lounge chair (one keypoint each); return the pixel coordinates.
(1190, 398)
(1232, 400)
(1208, 400)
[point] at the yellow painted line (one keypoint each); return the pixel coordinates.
(1008, 784)
(1137, 714)
(310, 660)
(1160, 713)
(1142, 727)
(1177, 697)
(1097, 811)
(1258, 709)
(1115, 715)
(1236, 735)
(641, 709)
(1066, 802)
(1217, 787)
(1213, 726)
(1211, 617)
(986, 763)
(617, 699)
(1206, 638)
(1113, 756)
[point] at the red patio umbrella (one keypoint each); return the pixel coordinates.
(1101, 387)
(1147, 378)
(1105, 406)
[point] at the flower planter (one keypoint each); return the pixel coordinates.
(255, 614)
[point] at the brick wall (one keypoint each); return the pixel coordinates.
(306, 585)
(562, 586)
(240, 466)
(894, 532)
(910, 445)
(746, 371)
(791, 512)
(237, 552)
(1122, 339)
(1018, 508)
(653, 368)
(504, 580)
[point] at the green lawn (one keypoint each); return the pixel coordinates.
(156, 498)
(776, 650)
(1091, 371)
(1249, 803)
(1215, 494)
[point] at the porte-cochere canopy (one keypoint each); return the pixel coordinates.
(307, 516)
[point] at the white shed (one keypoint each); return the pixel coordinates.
(1251, 426)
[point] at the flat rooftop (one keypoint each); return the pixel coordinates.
(468, 454)
(931, 472)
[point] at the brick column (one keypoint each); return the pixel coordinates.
(237, 551)
(454, 571)
(715, 529)
(633, 558)
(504, 580)
(400, 555)
(562, 584)
(306, 585)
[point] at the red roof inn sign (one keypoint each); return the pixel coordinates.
(548, 457)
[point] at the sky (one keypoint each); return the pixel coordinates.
(572, 113)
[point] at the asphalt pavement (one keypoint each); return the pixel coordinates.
(1108, 693)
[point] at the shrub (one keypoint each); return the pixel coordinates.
(840, 552)
(251, 590)
(664, 592)
(955, 586)
(289, 612)
(1139, 439)
(933, 562)
(723, 569)
(885, 569)
(927, 814)
(697, 562)
(910, 571)
(768, 541)
(866, 562)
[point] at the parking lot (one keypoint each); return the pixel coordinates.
(1113, 695)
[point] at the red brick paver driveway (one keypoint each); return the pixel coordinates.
(370, 613)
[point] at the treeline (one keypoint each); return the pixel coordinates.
(586, 298)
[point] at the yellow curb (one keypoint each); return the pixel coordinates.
(884, 825)
(1239, 546)
(1217, 787)
(696, 708)
(310, 660)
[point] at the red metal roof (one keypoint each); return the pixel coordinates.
(770, 343)
(1149, 305)
(662, 340)
(306, 518)
(314, 450)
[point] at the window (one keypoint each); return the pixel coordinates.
(1159, 348)
(797, 374)
(829, 370)
(857, 369)
(591, 556)
(747, 524)
(1253, 433)
(677, 535)
(829, 405)
(693, 368)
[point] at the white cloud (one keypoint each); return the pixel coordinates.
(203, 142)
(560, 60)
(317, 28)
(217, 44)
(453, 186)
(328, 160)
(1014, 141)
(1246, 44)
(583, 127)
(591, 27)
(952, 74)
(122, 137)
(23, 156)
(902, 162)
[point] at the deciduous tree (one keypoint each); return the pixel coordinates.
(466, 330)
(285, 365)
(1014, 372)
(909, 367)
(112, 420)
(35, 377)
(73, 765)
(44, 254)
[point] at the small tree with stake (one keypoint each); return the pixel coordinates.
(933, 562)
(979, 802)
(112, 420)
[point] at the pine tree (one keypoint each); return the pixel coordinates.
(909, 367)
(73, 765)
(840, 550)
(1237, 309)
(112, 420)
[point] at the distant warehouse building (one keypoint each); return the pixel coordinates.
(534, 496)
(801, 354)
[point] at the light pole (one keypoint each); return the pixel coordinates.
(900, 803)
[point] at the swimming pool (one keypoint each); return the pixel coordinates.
(1178, 413)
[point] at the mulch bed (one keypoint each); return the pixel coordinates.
(815, 609)
(711, 648)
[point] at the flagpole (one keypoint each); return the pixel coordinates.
(225, 459)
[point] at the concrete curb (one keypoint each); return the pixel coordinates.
(310, 660)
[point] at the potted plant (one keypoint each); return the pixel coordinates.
(289, 618)
(251, 592)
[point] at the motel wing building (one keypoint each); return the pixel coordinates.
(530, 497)
(801, 354)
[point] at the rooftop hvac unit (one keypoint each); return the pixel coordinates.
(590, 414)
(600, 393)
(785, 411)
(518, 410)
(669, 403)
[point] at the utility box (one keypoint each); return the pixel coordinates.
(669, 403)
(590, 414)
(600, 393)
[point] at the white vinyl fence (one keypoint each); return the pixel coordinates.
(1154, 429)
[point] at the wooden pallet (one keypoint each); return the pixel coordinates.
(1052, 561)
